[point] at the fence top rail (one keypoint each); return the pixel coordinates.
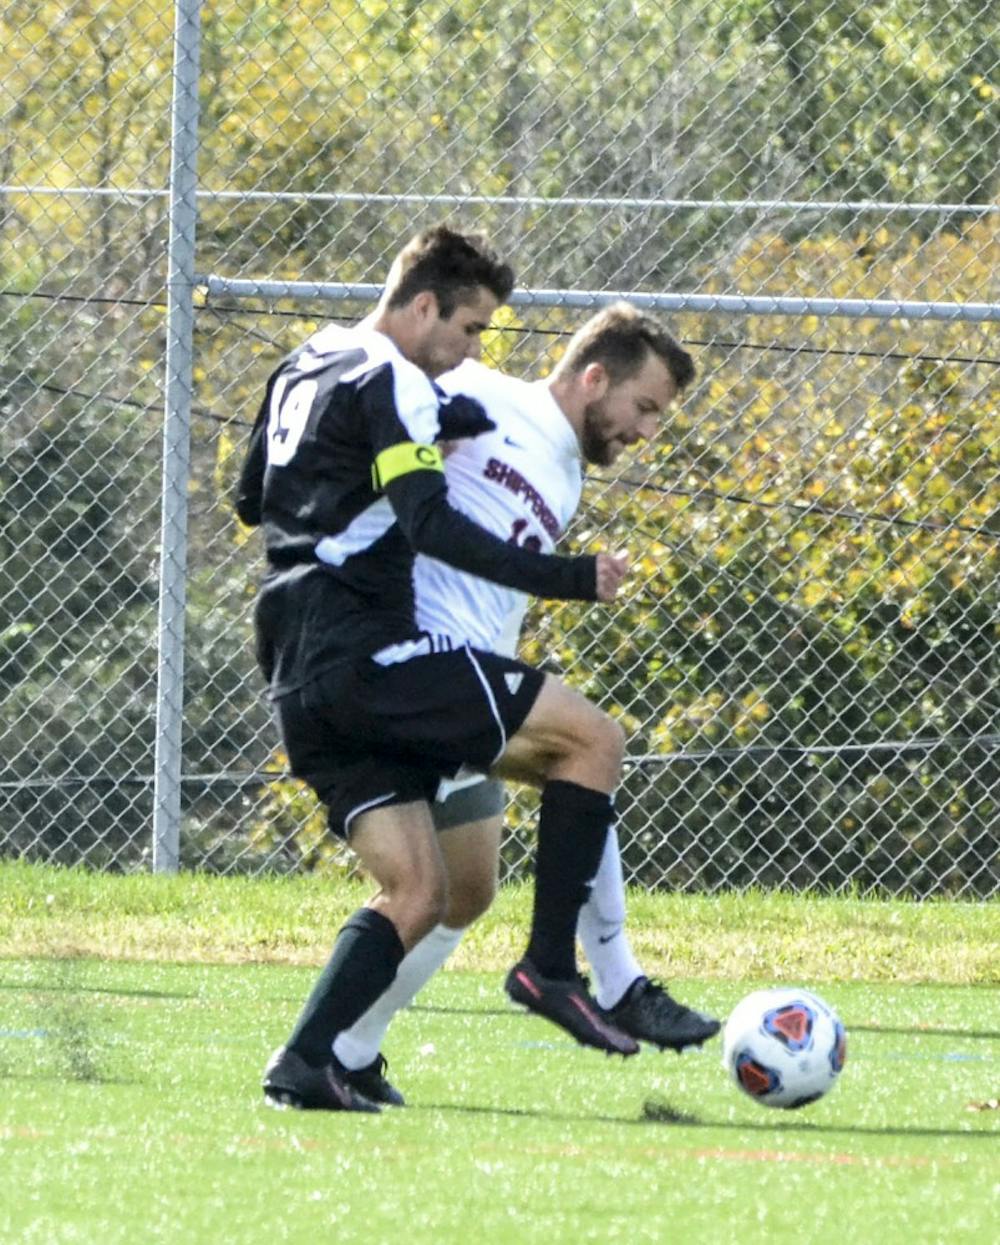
(631, 202)
(739, 304)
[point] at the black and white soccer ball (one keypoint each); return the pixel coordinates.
(784, 1047)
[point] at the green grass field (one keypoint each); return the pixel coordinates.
(131, 1110)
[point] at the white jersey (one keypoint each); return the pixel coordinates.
(522, 482)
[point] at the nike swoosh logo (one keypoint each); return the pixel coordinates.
(602, 940)
(510, 441)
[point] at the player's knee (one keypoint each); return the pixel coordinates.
(603, 741)
(432, 904)
(572, 740)
(422, 914)
(417, 906)
(597, 757)
(613, 740)
(468, 903)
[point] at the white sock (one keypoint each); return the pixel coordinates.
(357, 1046)
(601, 929)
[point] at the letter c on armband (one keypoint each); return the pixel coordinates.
(400, 460)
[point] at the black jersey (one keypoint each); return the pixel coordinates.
(345, 477)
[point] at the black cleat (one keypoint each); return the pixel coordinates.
(569, 1005)
(648, 1013)
(291, 1082)
(370, 1081)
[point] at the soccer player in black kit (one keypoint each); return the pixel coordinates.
(345, 475)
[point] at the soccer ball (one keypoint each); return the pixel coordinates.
(784, 1047)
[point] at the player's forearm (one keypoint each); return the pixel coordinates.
(436, 529)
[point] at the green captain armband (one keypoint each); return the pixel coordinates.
(400, 460)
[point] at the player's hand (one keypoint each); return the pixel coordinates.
(611, 569)
(460, 416)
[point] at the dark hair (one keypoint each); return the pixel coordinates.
(619, 337)
(451, 265)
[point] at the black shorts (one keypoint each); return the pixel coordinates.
(382, 730)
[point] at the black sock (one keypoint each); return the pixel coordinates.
(572, 830)
(360, 968)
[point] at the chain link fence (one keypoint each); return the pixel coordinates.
(806, 660)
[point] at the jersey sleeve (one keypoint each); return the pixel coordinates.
(249, 498)
(437, 529)
(411, 474)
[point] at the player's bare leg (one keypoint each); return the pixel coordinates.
(471, 853)
(398, 846)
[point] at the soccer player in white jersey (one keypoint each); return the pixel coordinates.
(523, 481)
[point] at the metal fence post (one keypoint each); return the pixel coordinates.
(176, 437)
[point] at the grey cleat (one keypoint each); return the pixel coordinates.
(648, 1013)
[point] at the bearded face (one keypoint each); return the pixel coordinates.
(598, 445)
(628, 412)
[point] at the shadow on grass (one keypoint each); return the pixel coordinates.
(981, 1035)
(65, 987)
(656, 1115)
(984, 1035)
(464, 1011)
(59, 1078)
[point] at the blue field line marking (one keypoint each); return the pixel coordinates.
(25, 1033)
